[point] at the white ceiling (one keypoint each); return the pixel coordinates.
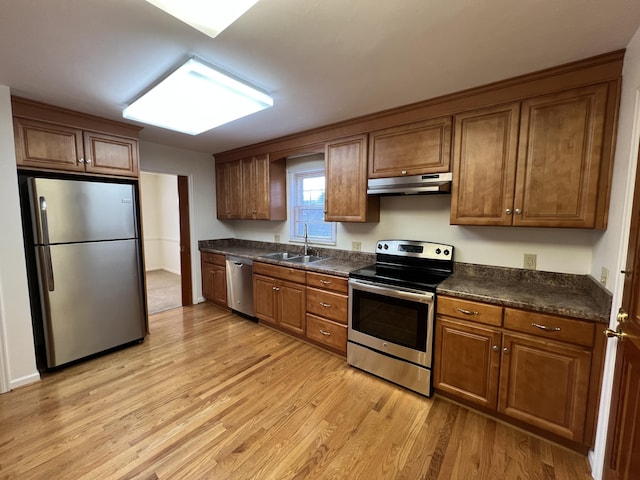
(322, 60)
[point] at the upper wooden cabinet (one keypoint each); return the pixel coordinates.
(229, 190)
(53, 139)
(484, 165)
(251, 188)
(413, 149)
(346, 197)
(541, 168)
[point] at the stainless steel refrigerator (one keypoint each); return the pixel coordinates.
(87, 253)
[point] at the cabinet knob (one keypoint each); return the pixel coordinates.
(495, 348)
(404, 172)
(506, 350)
(88, 161)
(518, 211)
(81, 160)
(508, 211)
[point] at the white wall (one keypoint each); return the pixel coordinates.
(199, 167)
(610, 248)
(17, 353)
(426, 217)
(161, 222)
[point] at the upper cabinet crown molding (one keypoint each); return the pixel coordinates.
(598, 69)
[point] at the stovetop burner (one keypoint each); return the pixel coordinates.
(409, 264)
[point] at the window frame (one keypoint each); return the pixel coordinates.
(296, 178)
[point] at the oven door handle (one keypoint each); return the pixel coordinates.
(396, 292)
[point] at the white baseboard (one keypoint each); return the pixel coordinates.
(166, 269)
(26, 380)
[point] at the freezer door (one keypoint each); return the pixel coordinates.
(92, 298)
(69, 211)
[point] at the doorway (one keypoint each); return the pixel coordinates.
(165, 223)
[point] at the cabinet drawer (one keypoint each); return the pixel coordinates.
(331, 334)
(469, 310)
(283, 273)
(327, 304)
(550, 326)
(328, 282)
(215, 258)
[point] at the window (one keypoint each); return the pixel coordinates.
(307, 207)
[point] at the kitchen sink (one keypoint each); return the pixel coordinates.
(281, 255)
(306, 259)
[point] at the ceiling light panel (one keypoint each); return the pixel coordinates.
(196, 98)
(209, 16)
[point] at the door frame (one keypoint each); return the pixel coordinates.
(189, 227)
(185, 240)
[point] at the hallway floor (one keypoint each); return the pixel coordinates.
(163, 291)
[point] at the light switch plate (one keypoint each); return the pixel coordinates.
(276, 238)
(356, 246)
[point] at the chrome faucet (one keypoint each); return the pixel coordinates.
(306, 240)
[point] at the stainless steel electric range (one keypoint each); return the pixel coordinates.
(392, 311)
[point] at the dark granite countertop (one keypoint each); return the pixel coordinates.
(339, 262)
(576, 296)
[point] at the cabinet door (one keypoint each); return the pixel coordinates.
(484, 166)
(110, 155)
(292, 306)
(559, 158)
(208, 274)
(545, 384)
(264, 299)
(255, 188)
(346, 182)
(413, 149)
(219, 285)
(467, 361)
(47, 145)
(229, 190)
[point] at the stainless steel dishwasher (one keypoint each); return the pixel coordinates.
(240, 285)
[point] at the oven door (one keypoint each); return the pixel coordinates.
(393, 320)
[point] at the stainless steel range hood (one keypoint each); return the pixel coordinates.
(432, 183)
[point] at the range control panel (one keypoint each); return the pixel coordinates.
(413, 248)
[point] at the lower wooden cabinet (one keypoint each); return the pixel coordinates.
(279, 297)
(545, 384)
(540, 370)
(327, 311)
(468, 361)
(214, 278)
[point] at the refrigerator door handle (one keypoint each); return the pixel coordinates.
(45, 237)
(48, 265)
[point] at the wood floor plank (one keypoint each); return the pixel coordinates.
(210, 394)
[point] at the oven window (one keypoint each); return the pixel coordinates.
(395, 320)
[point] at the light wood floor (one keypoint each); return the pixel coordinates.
(210, 395)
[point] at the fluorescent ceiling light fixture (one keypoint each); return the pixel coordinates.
(209, 16)
(196, 98)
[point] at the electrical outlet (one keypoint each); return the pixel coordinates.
(530, 261)
(357, 246)
(604, 276)
(276, 238)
